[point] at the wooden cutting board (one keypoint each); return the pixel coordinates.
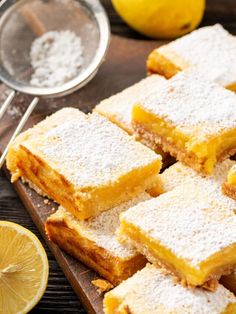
(125, 64)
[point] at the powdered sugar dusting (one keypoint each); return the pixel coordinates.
(151, 291)
(102, 229)
(179, 174)
(56, 57)
(91, 151)
(190, 216)
(118, 108)
(14, 111)
(194, 105)
(212, 49)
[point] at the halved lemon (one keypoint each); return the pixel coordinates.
(23, 269)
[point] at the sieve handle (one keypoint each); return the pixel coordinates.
(20, 126)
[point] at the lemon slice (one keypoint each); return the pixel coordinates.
(23, 269)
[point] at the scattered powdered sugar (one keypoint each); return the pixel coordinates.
(102, 229)
(118, 108)
(90, 150)
(190, 216)
(14, 111)
(56, 57)
(151, 291)
(193, 104)
(212, 49)
(4, 93)
(17, 107)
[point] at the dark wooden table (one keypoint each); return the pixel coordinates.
(59, 296)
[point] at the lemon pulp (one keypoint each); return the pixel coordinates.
(23, 269)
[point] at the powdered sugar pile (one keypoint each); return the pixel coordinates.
(56, 57)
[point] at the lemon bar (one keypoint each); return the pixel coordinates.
(94, 241)
(211, 49)
(229, 281)
(83, 162)
(187, 231)
(229, 187)
(151, 291)
(179, 174)
(192, 118)
(118, 109)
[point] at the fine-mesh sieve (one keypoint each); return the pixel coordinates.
(24, 20)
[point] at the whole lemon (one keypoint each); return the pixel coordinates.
(161, 18)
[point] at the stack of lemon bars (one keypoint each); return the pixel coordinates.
(167, 240)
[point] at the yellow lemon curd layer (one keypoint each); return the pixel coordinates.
(192, 275)
(229, 186)
(231, 178)
(199, 154)
(86, 202)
